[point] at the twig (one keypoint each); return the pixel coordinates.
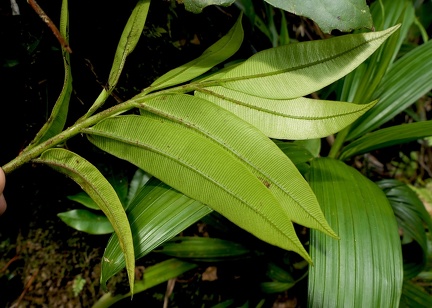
(50, 24)
(27, 286)
(9, 263)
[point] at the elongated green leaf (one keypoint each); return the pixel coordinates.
(154, 275)
(86, 221)
(387, 137)
(344, 15)
(251, 147)
(364, 268)
(407, 80)
(156, 214)
(93, 182)
(412, 218)
(128, 41)
(360, 85)
(196, 6)
(299, 69)
(215, 54)
(196, 166)
(293, 119)
(57, 119)
(140, 178)
(414, 296)
(202, 249)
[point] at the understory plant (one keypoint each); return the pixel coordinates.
(242, 139)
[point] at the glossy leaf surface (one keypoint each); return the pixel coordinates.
(196, 6)
(343, 15)
(94, 183)
(363, 268)
(202, 170)
(293, 119)
(86, 221)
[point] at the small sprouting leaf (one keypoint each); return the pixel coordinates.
(215, 54)
(298, 69)
(292, 119)
(343, 15)
(94, 183)
(196, 6)
(202, 170)
(86, 221)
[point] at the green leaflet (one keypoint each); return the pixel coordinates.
(254, 150)
(128, 41)
(215, 54)
(154, 275)
(93, 182)
(202, 170)
(344, 15)
(297, 69)
(57, 119)
(157, 213)
(86, 221)
(364, 268)
(387, 137)
(292, 119)
(414, 296)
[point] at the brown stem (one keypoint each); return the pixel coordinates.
(50, 24)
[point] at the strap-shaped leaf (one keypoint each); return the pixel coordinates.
(215, 54)
(154, 275)
(412, 218)
(204, 249)
(128, 41)
(407, 80)
(245, 142)
(57, 119)
(363, 268)
(387, 137)
(156, 214)
(299, 69)
(293, 119)
(94, 183)
(202, 170)
(344, 15)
